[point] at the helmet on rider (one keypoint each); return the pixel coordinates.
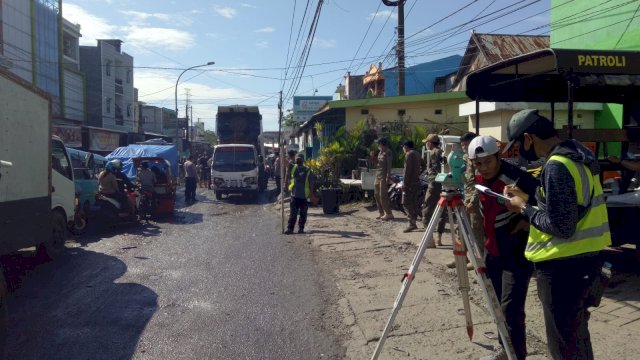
(113, 165)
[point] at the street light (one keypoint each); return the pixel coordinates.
(176, 93)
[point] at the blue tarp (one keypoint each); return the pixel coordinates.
(126, 153)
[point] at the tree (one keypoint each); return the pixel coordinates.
(287, 120)
(211, 137)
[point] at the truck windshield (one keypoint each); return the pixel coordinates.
(233, 159)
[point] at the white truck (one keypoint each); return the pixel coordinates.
(234, 170)
(37, 193)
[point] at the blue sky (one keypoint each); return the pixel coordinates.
(249, 41)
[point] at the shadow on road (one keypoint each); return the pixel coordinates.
(96, 233)
(73, 308)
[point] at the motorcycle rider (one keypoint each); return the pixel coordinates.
(123, 184)
(147, 179)
(108, 183)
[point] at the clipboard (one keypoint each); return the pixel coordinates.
(485, 190)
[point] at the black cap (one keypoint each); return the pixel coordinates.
(382, 141)
(523, 122)
(408, 144)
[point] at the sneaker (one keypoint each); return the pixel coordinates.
(288, 232)
(499, 354)
(410, 228)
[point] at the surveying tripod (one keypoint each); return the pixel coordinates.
(451, 200)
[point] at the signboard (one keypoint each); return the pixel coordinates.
(305, 106)
(100, 140)
(70, 135)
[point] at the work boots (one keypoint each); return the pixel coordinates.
(439, 239)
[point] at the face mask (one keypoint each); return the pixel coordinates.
(529, 155)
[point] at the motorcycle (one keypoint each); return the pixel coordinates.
(111, 211)
(147, 204)
(395, 193)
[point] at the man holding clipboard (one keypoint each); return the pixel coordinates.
(505, 236)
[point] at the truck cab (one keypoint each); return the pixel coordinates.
(234, 170)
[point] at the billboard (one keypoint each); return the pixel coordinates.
(305, 106)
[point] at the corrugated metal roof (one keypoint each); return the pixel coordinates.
(497, 47)
(487, 49)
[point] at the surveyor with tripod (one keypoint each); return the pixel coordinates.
(506, 237)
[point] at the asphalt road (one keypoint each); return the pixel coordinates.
(215, 281)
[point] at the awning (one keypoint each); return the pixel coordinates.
(604, 76)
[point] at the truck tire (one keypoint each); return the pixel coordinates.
(54, 247)
(218, 195)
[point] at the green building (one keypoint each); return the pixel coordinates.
(597, 25)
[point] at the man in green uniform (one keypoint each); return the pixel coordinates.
(431, 197)
(410, 184)
(381, 185)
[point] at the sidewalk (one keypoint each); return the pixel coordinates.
(368, 257)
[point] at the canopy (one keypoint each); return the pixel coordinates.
(603, 76)
(127, 153)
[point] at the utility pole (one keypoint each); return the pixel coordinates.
(400, 45)
(186, 117)
(282, 152)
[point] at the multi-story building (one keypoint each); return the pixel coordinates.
(73, 107)
(30, 45)
(152, 118)
(109, 79)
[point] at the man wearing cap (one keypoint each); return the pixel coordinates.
(432, 195)
(383, 174)
(410, 184)
(506, 238)
(569, 228)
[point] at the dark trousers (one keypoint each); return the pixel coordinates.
(301, 206)
(190, 189)
(410, 202)
(511, 282)
(563, 285)
(278, 184)
(431, 199)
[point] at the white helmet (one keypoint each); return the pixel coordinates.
(482, 146)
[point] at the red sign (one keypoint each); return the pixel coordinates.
(514, 151)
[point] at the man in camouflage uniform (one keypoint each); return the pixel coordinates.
(471, 200)
(431, 197)
(381, 185)
(410, 184)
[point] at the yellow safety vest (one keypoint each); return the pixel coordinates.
(307, 190)
(592, 232)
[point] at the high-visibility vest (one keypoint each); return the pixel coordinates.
(307, 189)
(592, 232)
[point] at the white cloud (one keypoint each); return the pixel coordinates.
(92, 27)
(324, 44)
(267, 29)
(383, 15)
(262, 44)
(249, 6)
(157, 88)
(142, 16)
(225, 11)
(170, 39)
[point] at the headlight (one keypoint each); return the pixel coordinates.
(218, 181)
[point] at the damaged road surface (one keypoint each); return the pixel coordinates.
(216, 281)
